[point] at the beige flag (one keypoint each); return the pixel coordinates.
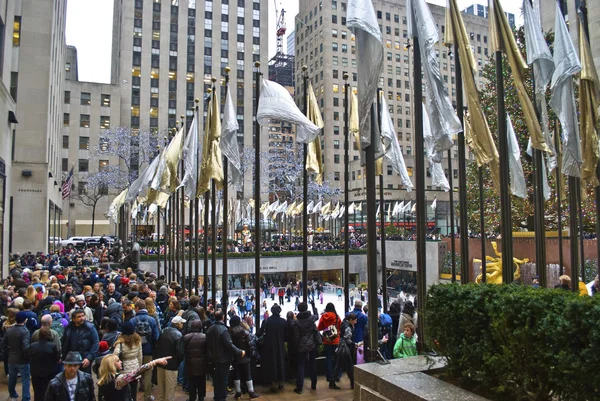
(212, 161)
(314, 161)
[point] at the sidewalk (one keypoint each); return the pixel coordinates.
(322, 393)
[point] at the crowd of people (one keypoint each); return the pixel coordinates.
(75, 314)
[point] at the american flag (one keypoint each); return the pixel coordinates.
(67, 184)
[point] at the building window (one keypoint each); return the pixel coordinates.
(66, 118)
(336, 176)
(81, 185)
(67, 67)
(409, 150)
(336, 159)
(336, 130)
(336, 144)
(105, 100)
(84, 143)
(17, 31)
(65, 164)
(84, 121)
(67, 97)
(103, 165)
(105, 122)
(84, 165)
(389, 170)
(65, 142)
(86, 98)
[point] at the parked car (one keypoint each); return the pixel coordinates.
(73, 242)
(55, 241)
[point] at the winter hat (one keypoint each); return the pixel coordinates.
(163, 290)
(18, 302)
(235, 321)
(21, 317)
(103, 346)
(128, 328)
(79, 297)
(178, 319)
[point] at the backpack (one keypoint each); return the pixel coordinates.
(57, 325)
(331, 333)
(385, 320)
(144, 329)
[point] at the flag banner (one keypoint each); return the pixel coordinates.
(229, 142)
(397, 208)
(282, 208)
(298, 209)
(442, 117)
(502, 39)
(434, 204)
(290, 209)
(314, 160)
(562, 101)
(317, 207)
(276, 103)
(153, 208)
(190, 158)
(326, 209)
(212, 160)
(67, 185)
(134, 209)
(407, 207)
(141, 185)
(438, 177)
(479, 138)
(362, 21)
(392, 147)
(378, 214)
(166, 171)
(414, 208)
(336, 211)
(589, 96)
(116, 204)
(342, 211)
(518, 187)
(351, 208)
(309, 208)
(354, 123)
(358, 207)
(389, 212)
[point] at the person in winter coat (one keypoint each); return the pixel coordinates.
(222, 352)
(112, 333)
(44, 359)
(195, 349)
(114, 311)
(273, 351)
(15, 344)
(406, 346)
(330, 341)
(72, 384)
(147, 327)
(168, 345)
(103, 350)
(305, 346)
(244, 340)
(81, 336)
(395, 311)
(362, 321)
(116, 386)
(409, 315)
(129, 349)
(345, 350)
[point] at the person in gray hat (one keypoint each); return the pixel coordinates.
(71, 384)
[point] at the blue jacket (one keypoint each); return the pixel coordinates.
(143, 316)
(361, 323)
(83, 339)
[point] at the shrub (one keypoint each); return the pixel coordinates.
(518, 342)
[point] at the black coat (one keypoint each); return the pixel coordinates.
(57, 389)
(43, 359)
(83, 339)
(273, 350)
(16, 343)
(168, 345)
(304, 330)
(220, 346)
(195, 348)
(109, 392)
(241, 339)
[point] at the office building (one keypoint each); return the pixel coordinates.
(291, 43)
(481, 10)
(166, 52)
(37, 74)
(327, 47)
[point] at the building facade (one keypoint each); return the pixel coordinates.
(11, 27)
(88, 109)
(291, 44)
(166, 52)
(481, 10)
(327, 47)
(37, 80)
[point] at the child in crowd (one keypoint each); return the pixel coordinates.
(406, 346)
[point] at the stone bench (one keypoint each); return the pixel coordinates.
(406, 380)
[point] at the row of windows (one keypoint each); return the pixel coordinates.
(84, 121)
(84, 165)
(86, 99)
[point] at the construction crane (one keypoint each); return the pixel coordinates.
(281, 28)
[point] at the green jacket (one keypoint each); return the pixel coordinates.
(405, 347)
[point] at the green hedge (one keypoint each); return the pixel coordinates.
(285, 254)
(516, 342)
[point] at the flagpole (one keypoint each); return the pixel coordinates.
(382, 218)
(158, 241)
(462, 176)
(505, 211)
(191, 246)
(182, 217)
(482, 226)
(558, 178)
(257, 81)
(224, 235)
(346, 196)
(305, 196)
(452, 239)
(197, 205)
(205, 229)
(213, 232)
(165, 242)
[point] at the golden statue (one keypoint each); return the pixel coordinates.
(493, 267)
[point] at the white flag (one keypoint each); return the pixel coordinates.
(190, 158)
(342, 210)
(309, 208)
(563, 98)
(229, 142)
(392, 147)
(414, 208)
(434, 204)
(276, 103)
(517, 178)
(438, 177)
(351, 208)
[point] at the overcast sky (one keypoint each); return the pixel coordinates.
(89, 28)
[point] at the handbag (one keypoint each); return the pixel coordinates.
(318, 338)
